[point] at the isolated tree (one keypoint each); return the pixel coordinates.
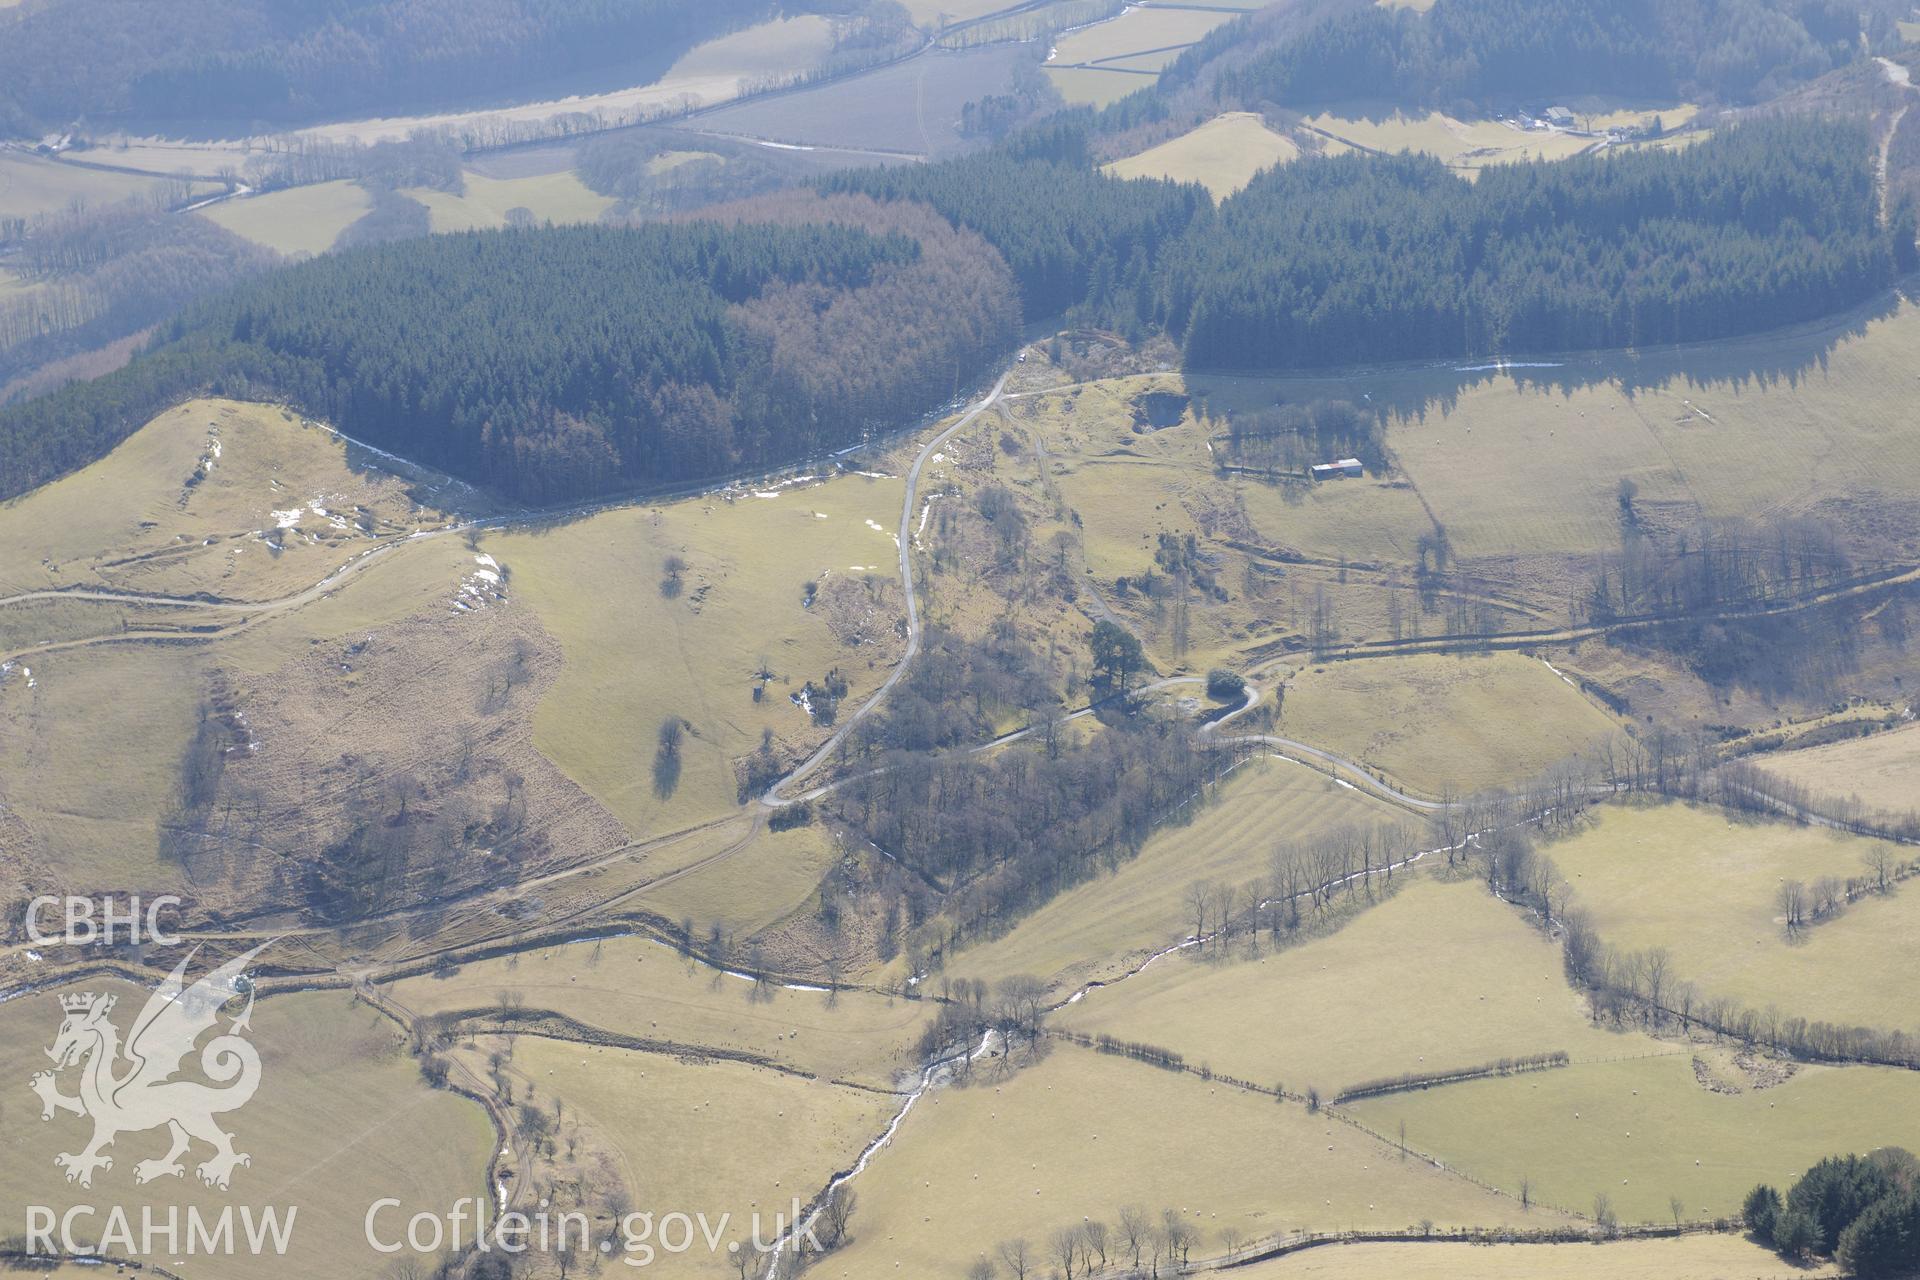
(1199, 901)
(1792, 903)
(1881, 861)
(982, 1269)
(836, 1212)
(1603, 1213)
(1178, 1234)
(1065, 1248)
(1017, 1256)
(666, 756)
(1096, 1235)
(672, 573)
(1136, 1232)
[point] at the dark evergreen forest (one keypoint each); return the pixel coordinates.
(556, 364)
(1368, 258)
(1361, 258)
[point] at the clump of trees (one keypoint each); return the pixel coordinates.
(1426, 1080)
(1862, 1211)
(1290, 438)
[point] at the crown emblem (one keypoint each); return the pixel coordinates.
(82, 1002)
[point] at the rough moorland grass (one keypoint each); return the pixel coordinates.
(549, 197)
(341, 1119)
(1438, 977)
(1222, 155)
(713, 1138)
(1703, 886)
(1882, 770)
(635, 657)
(299, 220)
(1701, 1257)
(1102, 925)
(1432, 721)
(214, 497)
(638, 987)
(1644, 1130)
(1082, 1134)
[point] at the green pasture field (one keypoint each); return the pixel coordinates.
(1222, 155)
(714, 1138)
(1462, 144)
(1432, 721)
(89, 760)
(1516, 460)
(552, 197)
(164, 157)
(708, 74)
(1702, 885)
(297, 220)
(1438, 977)
(1138, 30)
(1696, 1257)
(1645, 1130)
(1082, 1134)
(635, 657)
(763, 881)
(1882, 769)
(32, 185)
(341, 1118)
(1118, 918)
(934, 14)
(639, 987)
(1095, 87)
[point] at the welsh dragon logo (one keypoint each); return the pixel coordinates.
(131, 1087)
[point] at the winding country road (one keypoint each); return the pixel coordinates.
(775, 795)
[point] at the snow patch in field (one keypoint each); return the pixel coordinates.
(288, 519)
(481, 587)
